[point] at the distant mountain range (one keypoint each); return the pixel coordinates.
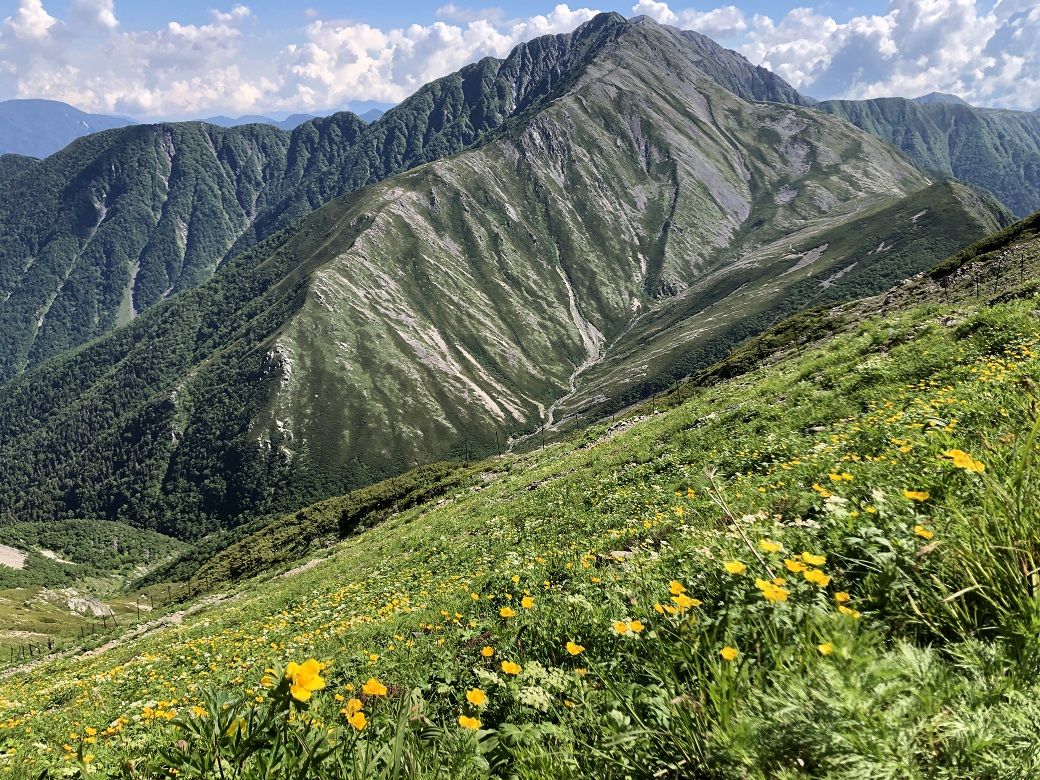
(288, 124)
(38, 128)
(544, 236)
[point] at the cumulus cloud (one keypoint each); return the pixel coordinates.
(227, 61)
(30, 21)
(984, 52)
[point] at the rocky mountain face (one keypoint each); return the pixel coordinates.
(991, 148)
(614, 208)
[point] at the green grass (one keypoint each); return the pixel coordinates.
(930, 670)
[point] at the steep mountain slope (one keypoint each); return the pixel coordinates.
(449, 307)
(838, 540)
(118, 221)
(995, 149)
(92, 249)
(38, 128)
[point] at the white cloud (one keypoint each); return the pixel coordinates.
(985, 52)
(30, 21)
(96, 13)
(655, 10)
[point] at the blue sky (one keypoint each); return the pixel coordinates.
(150, 59)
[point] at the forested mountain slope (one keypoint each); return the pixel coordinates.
(991, 148)
(447, 308)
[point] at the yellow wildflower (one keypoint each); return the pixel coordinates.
(684, 602)
(635, 627)
(358, 720)
(507, 612)
(469, 723)
(769, 546)
(817, 577)
(825, 649)
(675, 588)
(305, 679)
(487, 651)
(476, 697)
(734, 567)
(814, 560)
(963, 460)
(794, 565)
(848, 611)
(841, 597)
(509, 667)
(915, 495)
(729, 653)
(923, 532)
(574, 648)
(527, 602)
(621, 626)
(373, 688)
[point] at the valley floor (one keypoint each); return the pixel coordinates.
(826, 567)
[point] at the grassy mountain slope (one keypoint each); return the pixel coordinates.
(838, 540)
(995, 149)
(439, 312)
(837, 258)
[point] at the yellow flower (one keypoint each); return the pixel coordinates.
(729, 653)
(814, 560)
(527, 602)
(476, 697)
(621, 626)
(822, 490)
(509, 667)
(90, 731)
(771, 591)
(675, 588)
(848, 611)
(373, 688)
(358, 720)
(353, 705)
(963, 460)
(305, 679)
(507, 612)
(469, 723)
(684, 602)
(734, 567)
(923, 532)
(825, 649)
(487, 651)
(817, 577)
(636, 627)
(795, 565)
(769, 546)
(915, 495)
(574, 648)
(841, 597)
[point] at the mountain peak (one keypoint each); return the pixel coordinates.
(941, 97)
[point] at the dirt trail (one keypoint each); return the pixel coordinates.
(12, 558)
(135, 632)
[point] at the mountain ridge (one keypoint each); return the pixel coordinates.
(38, 128)
(445, 309)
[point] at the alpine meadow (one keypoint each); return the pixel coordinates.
(611, 408)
